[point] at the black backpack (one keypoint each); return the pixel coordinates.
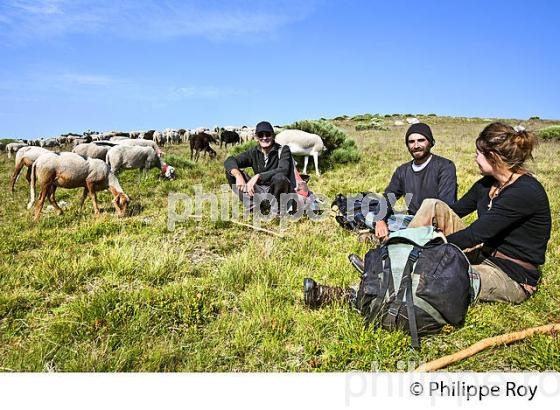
(348, 210)
(414, 287)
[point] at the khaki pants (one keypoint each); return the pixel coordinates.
(495, 284)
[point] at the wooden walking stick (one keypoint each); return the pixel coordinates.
(486, 343)
(280, 235)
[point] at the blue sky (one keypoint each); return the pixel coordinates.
(72, 65)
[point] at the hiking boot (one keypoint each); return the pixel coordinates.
(369, 238)
(357, 262)
(316, 295)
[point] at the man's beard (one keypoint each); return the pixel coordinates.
(420, 154)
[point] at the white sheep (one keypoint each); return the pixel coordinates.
(303, 143)
(92, 150)
(134, 157)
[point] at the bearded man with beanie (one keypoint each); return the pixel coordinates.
(426, 176)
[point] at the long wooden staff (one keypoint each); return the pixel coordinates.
(486, 343)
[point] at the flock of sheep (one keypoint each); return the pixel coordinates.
(96, 158)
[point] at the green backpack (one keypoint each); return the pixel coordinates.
(417, 282)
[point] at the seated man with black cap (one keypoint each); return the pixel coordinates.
(271, 166)
(426, 176)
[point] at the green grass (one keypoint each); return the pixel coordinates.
(86, 293)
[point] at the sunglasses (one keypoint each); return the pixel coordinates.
(263, 135)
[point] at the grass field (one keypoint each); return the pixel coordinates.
(86, 293)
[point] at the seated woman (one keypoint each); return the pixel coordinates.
(508, 241)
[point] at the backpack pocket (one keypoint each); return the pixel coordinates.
(444, 281)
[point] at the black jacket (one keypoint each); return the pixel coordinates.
(518, 224)
(254, 158)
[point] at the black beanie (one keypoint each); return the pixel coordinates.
(422, 129)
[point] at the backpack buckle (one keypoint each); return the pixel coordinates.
(414, 254)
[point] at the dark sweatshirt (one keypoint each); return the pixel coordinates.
(518, 224)
(437, 180)
(255, 159)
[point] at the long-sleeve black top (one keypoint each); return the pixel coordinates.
(437, 180)
(255, 159)
(518, 224)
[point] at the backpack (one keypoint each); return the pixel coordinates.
(348, 210)
(416, 282)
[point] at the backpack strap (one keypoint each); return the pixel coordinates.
(386, 285)
(412, 326)
(405, 288)
(402, 240)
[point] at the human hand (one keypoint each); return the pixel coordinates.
(240, 183)
(250, 187)
(381, 230)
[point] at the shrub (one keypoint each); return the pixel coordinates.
(535, 117)
(344, 156)
(550, 133)
(238, 149)
(7, 140)
(362, 117)
(340, 118)
(432, 115)
(374, 125)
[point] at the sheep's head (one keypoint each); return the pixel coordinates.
(121, 202)
(167, 171)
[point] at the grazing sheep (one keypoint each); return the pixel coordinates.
(49, 143)
(131, 157)
(14, 147)
(228, 137)
(303, 143)
(26, 156)
(81, 140)
(247, 134)
(69, 170)
(199, 130)
(201, 142)
(92, 150)
(141, 143)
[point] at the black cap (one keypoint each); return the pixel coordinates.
(264, 126)
(422, 129)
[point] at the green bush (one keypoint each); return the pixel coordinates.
(432, 115)
(238, 149)
(535, 117)
(362, 117)
(550, 133)
(340, 118)
(7, 140)
(375, 124)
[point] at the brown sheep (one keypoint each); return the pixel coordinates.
(69, 170)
